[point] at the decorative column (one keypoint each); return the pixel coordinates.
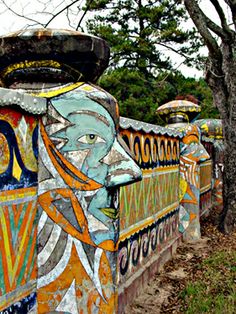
(178, 114)
(212, 134)
(18, 200)
(81, 165)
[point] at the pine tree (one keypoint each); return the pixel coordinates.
(138, 32)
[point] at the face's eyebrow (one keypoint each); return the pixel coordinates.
(93, 114)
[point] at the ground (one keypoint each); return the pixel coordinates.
(197, 280)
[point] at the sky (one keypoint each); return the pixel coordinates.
(33, 9)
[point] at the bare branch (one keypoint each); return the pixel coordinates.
(201, 21)
(174, 50)
(232, 5)
(68, 17)
(85, 12)
(21, 15)
(215, 28)
(221, 14)
(61, 11)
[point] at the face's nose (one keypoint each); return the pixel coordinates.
(122, 169)
(195, 151)
(203, 154)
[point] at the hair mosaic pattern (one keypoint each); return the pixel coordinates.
(18, 207)
(152, 150)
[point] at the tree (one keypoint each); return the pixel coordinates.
(220, 75)
(136, 95)
(199, 90)
(139, 30)
(139, 97)
(140, 75)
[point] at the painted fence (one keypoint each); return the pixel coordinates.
(165, 207)
(65, 247)
(149, 213)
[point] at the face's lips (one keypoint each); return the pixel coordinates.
(112, 213)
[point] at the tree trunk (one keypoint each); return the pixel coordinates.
(228, 223)
(221, 78)
(224, 93)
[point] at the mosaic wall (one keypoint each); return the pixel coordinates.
(148, 209)
(140, 244)
(155, 193)
(18, 208)
(65, 167)
(217, 148)
(64, 157)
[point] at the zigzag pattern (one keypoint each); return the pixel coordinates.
(146, 198)
(17, 244)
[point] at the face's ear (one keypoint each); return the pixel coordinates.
(122, 169)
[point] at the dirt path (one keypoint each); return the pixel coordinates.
(162, 293)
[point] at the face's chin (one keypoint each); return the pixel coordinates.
(112, 211)
(103, 221)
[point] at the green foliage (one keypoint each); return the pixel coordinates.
(140, 75)
(200, 90)
(137, 31)
(139, 98)
(215, 294)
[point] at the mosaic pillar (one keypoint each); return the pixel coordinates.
(178, 114)
(18, 201)
(192, 152)
(212, 134)
(81, 165)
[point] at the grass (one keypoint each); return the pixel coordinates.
(215, 290)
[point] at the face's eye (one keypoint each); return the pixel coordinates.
(91, 139)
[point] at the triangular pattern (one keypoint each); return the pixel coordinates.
(16, 172)
(65, 207)
(17, 210)
(17, 244)
(192, 216)
(148, 199)
(189, 196)
(68, 303)
(144, 199)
